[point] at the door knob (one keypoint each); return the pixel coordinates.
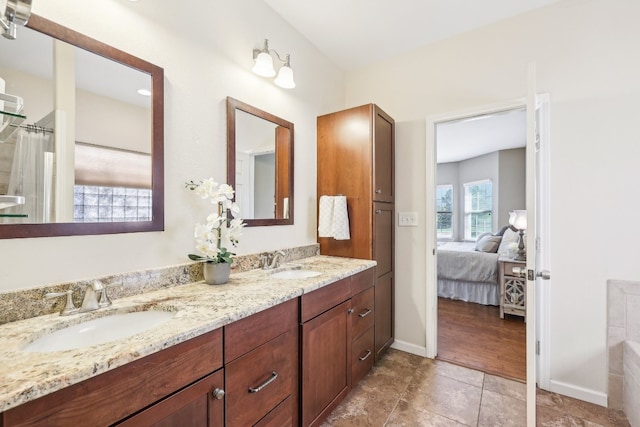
(544, 274)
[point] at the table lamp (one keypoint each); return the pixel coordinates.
(518, 219)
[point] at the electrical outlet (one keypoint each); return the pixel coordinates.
(408, 219)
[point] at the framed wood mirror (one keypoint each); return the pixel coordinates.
(260, 164)
(105, 161)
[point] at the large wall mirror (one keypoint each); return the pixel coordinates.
(87, 153)
(260, 164)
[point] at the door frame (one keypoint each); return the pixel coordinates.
(431, 313)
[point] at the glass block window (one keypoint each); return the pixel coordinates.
(478, 204)
(444, 212)
(111, 204)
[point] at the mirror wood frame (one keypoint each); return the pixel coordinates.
(44, 26)
(234, 105)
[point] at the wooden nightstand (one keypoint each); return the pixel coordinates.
(513, 287)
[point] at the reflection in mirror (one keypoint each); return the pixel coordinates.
(88, 157)
(260, 164)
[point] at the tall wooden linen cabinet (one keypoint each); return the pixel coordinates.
(356, 159)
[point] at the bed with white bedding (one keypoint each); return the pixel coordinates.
(466, 274)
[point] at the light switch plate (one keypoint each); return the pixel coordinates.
(407, 219)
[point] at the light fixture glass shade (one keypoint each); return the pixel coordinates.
(264, 65)
(285, 78)
(518, 219)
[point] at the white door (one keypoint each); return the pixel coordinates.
(538, 235)
(531, 254)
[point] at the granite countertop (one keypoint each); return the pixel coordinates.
(199, 308)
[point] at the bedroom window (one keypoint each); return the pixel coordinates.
(444, 209)
(478, 201)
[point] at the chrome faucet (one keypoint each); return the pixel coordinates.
(95, 297)
(271, 261)
(92, 295)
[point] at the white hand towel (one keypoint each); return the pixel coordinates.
(325, 216)
(340, 223)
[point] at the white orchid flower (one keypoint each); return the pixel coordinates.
(218, 233)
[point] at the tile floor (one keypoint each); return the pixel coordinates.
(408, 390)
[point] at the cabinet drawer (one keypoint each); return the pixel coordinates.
(258, 381)
(323, 299)
(124, 390)
(362, 356)
(361, 281)
(363, 315)
(520, 268)
(281, 416)
(246, 334)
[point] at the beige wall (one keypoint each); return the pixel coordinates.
(586, 54)
(205, 49)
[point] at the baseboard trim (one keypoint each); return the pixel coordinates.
(576, 392)
(409, 348)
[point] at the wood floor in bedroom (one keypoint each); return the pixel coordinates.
(473, 335)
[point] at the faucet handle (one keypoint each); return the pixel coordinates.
(69, 307)
(104, 300)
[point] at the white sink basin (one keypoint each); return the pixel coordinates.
(295, 274)
(99, 331)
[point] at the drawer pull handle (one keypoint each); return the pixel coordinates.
(274, 375)
(365, 313)
(218, 393)
(365, 357)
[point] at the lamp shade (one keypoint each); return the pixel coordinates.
(518, 219)
(264, 65)
(285, 78)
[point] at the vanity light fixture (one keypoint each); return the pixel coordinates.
(15, 12)
(264, 66)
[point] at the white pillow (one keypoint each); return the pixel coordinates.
(509, 239)
(488, 243)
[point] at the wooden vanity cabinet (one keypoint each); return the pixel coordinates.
(110, 397)
(261, 368)
(326, 350)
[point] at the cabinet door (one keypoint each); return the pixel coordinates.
(383, 237)
(384, 314)
(200, 404)
(326, 371)
(383, 153)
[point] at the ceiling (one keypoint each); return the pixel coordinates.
(32, 53)
(357, 33)
(471, 137)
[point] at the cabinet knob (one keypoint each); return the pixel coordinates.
(350, 311)
(378, 191)
(218, 393)
(378, 211)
